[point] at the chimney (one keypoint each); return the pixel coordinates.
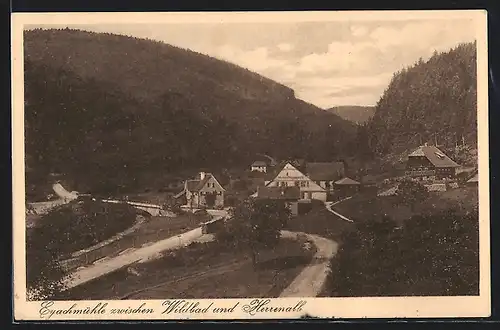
(202, 175)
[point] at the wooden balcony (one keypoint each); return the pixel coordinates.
(420, 172)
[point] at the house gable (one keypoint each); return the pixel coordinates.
(210, 184)
(290, 176)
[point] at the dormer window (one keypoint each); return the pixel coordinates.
(439, 155)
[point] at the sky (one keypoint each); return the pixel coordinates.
(326, 63)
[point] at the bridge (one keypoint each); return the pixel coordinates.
(65, 197)
(152, 209)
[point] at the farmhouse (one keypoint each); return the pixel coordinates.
(289, 195)
(325, 174)
(430, 163)
(259, 166)
(290, 176)
(204, 191)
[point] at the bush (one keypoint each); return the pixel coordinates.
(429, 255)
(255, 224)
(66, 229)
(411, 192)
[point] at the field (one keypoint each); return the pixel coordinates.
(154, 229)
(202, 270)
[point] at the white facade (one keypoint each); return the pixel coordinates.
(291, 176)
(262, 169)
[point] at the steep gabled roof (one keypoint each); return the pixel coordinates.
(435, 156)
(274, 171)
(287, 193)
(346, 181)
(325, 171)
(197, 185)
(192, 185)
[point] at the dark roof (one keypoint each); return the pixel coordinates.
(278, 192)
(197, 185)
(274, 171)
(325, 171)
(435, 156)
(259, 163)
(346, 181)
(298, 163)
(193, 185)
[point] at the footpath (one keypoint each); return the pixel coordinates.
(146, 253)
(310, 281)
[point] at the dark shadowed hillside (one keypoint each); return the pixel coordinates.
(432, 101)
(115, 111)
(354, 113)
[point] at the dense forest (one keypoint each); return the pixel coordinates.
(430, 255)
(431, 101)
(106, 109)
(354, 113)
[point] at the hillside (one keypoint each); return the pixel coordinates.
(113, 111)
(431, 101)
(354, 113)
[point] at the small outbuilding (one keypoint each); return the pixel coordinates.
(473, 181)
(259, 166)
(346, 186)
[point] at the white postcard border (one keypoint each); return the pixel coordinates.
(391, 307)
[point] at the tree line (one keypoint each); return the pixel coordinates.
(157, 109)
(431, 101)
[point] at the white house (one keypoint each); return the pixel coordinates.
(259, 166)
(290, 176)
(204, 191)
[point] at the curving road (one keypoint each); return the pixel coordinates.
(311, 280)
(307, 284)
(143, 254)
(328, 206)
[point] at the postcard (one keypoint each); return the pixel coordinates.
(250, 165)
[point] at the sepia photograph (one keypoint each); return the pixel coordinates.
(250, 164)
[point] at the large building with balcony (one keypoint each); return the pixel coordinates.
(430, 163)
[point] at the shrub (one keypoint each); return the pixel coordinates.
(66, 229)
(255, 224)
(434, 255)
(411, 192)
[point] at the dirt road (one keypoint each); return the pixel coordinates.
(310, 281)
(106, 266)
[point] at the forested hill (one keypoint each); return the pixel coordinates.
(354, 113)
(431, 101)
(111, 110)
